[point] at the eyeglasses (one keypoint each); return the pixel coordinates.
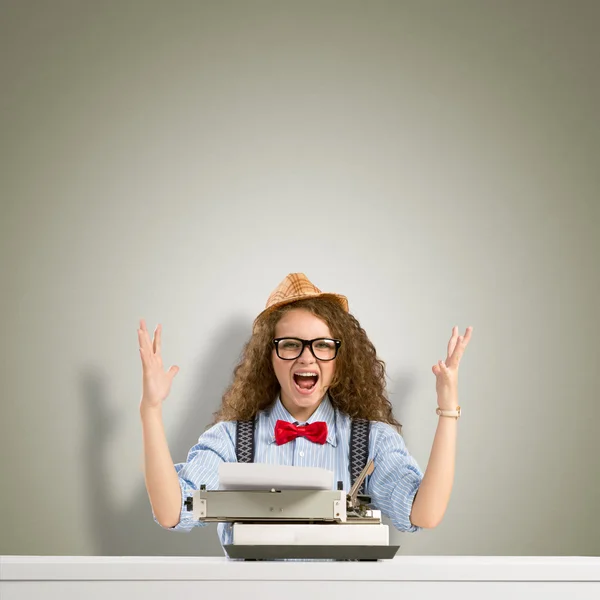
(322, 348)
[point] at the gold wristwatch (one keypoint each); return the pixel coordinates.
(448, 413)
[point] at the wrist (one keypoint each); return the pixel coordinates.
(150, 412)
(448, 403)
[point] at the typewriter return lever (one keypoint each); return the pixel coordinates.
(353, 493)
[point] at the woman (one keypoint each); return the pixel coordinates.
(306, 372)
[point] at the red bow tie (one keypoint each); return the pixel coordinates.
(315, 432)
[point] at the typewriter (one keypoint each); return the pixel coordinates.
(286, 512)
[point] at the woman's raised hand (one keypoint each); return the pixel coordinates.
(156, 381)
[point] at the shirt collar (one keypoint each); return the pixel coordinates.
(325, 412)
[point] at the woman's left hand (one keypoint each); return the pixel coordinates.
(446, 372)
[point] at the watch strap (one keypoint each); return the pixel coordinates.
(449, 413)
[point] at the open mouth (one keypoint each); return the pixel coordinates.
(306, 382)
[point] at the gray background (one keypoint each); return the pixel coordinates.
(437, 162)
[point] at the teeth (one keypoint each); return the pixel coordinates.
(306, 374)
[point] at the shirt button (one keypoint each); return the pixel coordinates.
(301, 453)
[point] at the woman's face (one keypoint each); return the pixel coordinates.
(297, 395)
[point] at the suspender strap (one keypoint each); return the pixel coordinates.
(359, 446)
(244, 441)
(359, 449)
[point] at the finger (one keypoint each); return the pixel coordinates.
(142, 339)
(454, 360)
(144, 359)
(147, 340)
(144, 351)
(144, 343)
(144, 328)
(156, 345)
(173, 371)
(463, 340)
(452, 342)
(461, 344)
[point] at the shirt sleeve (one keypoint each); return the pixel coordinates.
(215, 446)
(395, 478)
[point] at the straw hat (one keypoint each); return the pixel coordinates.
(296, 286)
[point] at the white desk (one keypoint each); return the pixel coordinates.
(422, 577)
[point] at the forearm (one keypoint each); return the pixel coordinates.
(434, 492)
(160, 476)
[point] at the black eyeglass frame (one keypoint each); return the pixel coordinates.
(308, 343)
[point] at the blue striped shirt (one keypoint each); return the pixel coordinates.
(392, 485)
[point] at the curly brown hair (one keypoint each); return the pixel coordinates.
(358, 386)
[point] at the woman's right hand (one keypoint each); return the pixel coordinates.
(156, 382)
